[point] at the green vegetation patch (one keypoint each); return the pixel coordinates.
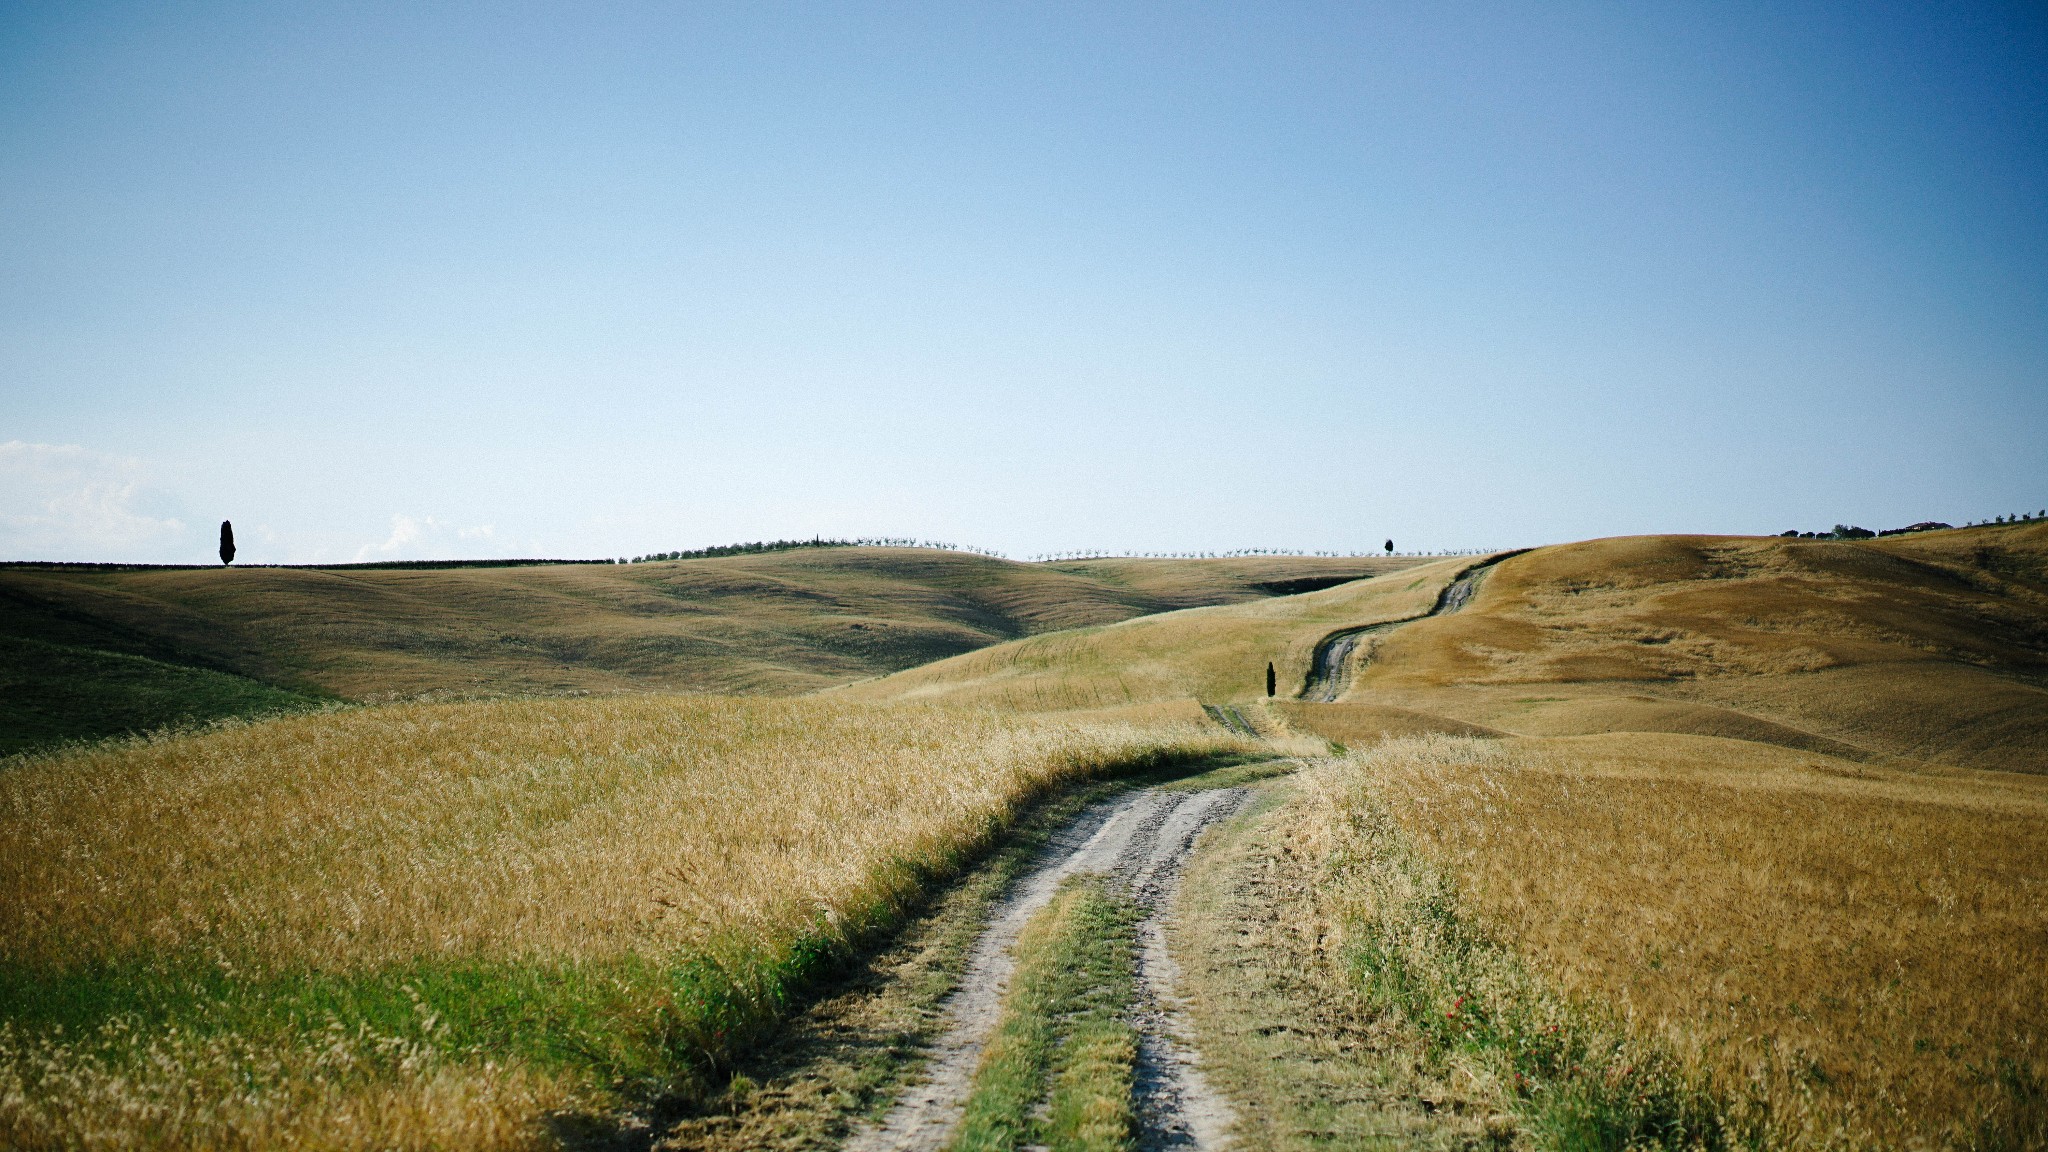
(1468, 1002)
(596, 1021)
(669, 1036)
(53, 694)
(1065, 1039)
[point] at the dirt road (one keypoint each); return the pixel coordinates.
(1140, 841)
(1329, 670)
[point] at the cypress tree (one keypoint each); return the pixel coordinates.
(227, 542)
(1271, 682)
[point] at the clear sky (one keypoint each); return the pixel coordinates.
(406, 280)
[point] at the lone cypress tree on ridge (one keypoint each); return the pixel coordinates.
(227, 543)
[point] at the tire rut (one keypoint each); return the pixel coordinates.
(1232, 718)
(1141, 842)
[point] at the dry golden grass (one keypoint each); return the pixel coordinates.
(406, 838)
(529, 828)
(1926, 648)
(782, 622)
(1208, 654)
(1857, 956)
(120, 1090)
(1787, 864)
(1359, 725)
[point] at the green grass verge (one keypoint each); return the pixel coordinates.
(55, 694)
(1065, 1040)
(634, 1030)
(1576, 1082)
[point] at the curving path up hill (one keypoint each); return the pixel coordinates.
(1329, 669)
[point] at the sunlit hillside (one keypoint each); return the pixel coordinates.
(149, 647)
(1207, 654)
(1932, 647)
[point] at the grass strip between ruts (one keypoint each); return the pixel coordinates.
(1065, 1040)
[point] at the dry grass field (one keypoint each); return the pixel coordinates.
(1207, 654)
(778, 622)
(430, 925)
(1362, 725)
(87, 653)
(1925, 648)
(1769, 803)
(1856, 957)
(1768, 811)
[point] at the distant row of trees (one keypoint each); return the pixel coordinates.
(1852, 532)
(2015, 518)
(815, 542)
(1080, 554)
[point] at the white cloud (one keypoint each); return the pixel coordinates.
(426, 538)
(65, 502)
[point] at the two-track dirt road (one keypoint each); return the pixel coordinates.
(1141, 842)
(1330, 666)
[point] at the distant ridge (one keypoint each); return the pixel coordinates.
(99, 648)
(95, 566)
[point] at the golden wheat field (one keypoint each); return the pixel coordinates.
(646, 868)
(1750, 802)
(1855, 957)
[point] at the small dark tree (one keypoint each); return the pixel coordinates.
(1390, 547)
(227, 543)
(1272, 682)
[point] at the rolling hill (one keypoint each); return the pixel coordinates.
(1744, 827)
(1930, 648)
(1207, 654)
(1767, 806)
(130, 649)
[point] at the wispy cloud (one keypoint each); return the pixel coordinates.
(66, 502)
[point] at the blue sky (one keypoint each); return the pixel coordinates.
(407, 281)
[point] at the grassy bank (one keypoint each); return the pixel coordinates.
(1736, 945)
(846, 1056)
(433, 925)
(1468, 1007)
(55, 694)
